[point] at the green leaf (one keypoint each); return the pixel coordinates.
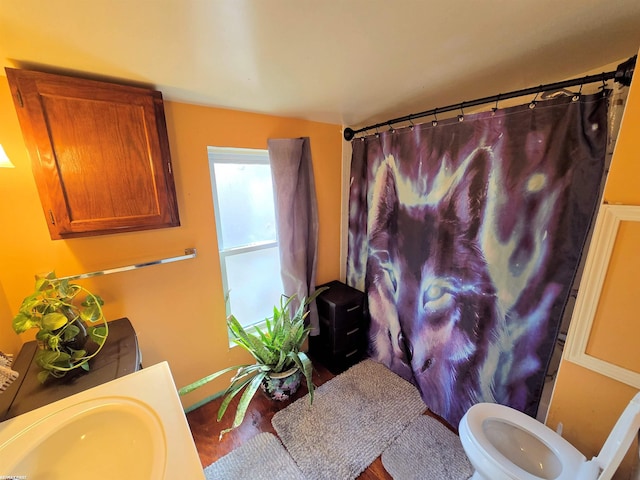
(43, 283)
(266, 339)
(85, 366)
(303, 362)
(251, 343)
(91, 313)
(43, 375)
(53, 321)
(246, 398)
(203, 381)
(230, 394)
(282, 362)
(75, 354)
(22, 323)
(268, 325)
(47, 358)
(92, 300)
(65, 290)
(98, 334)
(30, 303)
(315, 294)
(243, 373)
(43, 336)
(70, 332)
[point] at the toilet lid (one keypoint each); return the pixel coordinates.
(472, 426)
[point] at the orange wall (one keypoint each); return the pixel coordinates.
(9, 341)
(177, 309)
(588, 403)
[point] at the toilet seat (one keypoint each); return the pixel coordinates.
(472, 432)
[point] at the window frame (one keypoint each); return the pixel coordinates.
(235, 156)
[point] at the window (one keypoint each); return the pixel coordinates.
(246, 226)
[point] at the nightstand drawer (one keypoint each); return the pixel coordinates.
(339, 317)
(348, 339)
(332, 342)
(343, 360)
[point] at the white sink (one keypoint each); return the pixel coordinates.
(131, 428)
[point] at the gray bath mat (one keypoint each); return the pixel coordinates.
(427, 450)
(261, 458)
(354, 417)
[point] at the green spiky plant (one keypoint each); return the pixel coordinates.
(276, 349)
(54, 310)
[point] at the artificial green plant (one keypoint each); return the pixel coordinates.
(54, 310)
(276, 349)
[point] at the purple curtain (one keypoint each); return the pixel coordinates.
(466, 237)
(296, 218)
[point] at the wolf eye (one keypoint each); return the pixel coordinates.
(434, 292)
(437, 295)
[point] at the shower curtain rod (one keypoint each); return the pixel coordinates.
(622, 74)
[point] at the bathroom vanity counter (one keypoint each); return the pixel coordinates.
(132, 427)
(119, 356)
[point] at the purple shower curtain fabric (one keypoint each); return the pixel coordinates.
(466, 237)
(296, 218)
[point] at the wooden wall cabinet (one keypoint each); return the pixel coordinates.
(99, 153)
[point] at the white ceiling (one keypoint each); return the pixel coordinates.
(351, 62)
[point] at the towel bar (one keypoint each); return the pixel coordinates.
(188, 253)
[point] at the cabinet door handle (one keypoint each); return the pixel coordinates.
(351, 353)
(351, 332)
(353, 308)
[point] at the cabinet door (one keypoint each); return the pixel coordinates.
(99, 152)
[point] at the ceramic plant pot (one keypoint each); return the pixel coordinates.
(280, 386)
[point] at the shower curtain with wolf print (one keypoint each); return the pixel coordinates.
(466, 237)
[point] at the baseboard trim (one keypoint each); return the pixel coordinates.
(204, 401)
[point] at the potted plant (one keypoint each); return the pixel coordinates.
(62, 332)
(279, 362)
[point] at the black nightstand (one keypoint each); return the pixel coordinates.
(343, 327)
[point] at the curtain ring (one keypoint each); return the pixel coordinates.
(495, 109)
(604, 83)
(391, 129)
(411, 123)
(434, 122)
(603, 88)
(534, 102)
(461, 116)
(576, 97)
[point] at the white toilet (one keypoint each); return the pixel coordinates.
(505, 444)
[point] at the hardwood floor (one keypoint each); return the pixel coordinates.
(206, 429)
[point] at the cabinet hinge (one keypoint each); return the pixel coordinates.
(170, 169)
(53, 220)
(19, 96)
